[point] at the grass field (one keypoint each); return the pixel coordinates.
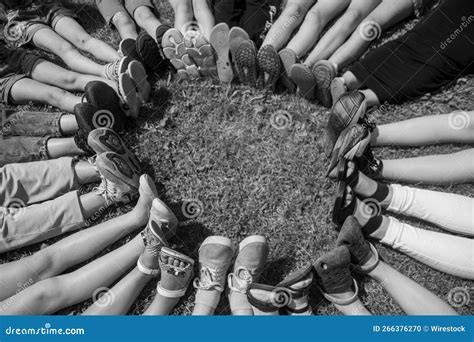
(221, 148)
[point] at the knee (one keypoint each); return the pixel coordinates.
(122, 19)
(352, 17)
(65, 49)
(183, 8)
(48, 290)
(296, 9)
(143, 14)
(315, 15)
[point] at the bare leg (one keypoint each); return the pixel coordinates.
(289, 20)
(85, 173)
(356, 308)
(183, 13)
(53, 294)
(341, 30)
(314, 23)
(72, 31)
(204, 17)
(206, 302)
(125, 25)
(147, 20)
(68, 124)
(63, 147)
(27, 90)
(50, 41)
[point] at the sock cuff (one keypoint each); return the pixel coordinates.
(381, 193)
(372, 225)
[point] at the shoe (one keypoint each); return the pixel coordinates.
(128, 92)
(246, 63)
(267, 298)
(368, 164)
(304, 79)
(345, 113)
(338, 88)
(128, 48)
(149, 53)
(215, 258)
(360, 249)
(251, 258)
(89, 117)
(269, 66)
(119, 182)
(137, 73)
(299, 285)
(162, 217)
(106, 140)
(219, 40)
(341, 209)
(176, 273)
(237, 36)
(103, 97)
(324, 73)
(202, 56)
(334, 277)
(173, 44)
(350, 144)
(288, 59)
(159, 34)
(114, 69)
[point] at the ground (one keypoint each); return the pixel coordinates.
(226, 150)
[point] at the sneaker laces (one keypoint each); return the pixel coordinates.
(211, 279)
(111, 70)
(242, 277)
(108, 190)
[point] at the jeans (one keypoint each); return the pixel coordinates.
(448, 253)
(30, 209)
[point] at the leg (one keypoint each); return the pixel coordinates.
(257, 17)
(204, 17)
(53, 294)
(291, 17)
(27, 90)
(73, 32)
(63, 147)
(315, 21)
(341, 30)
(50, 41)
(183, 13)
(385, 15)
(125, 25)
(146, 19)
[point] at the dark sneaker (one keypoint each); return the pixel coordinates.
(106, 140)
(119, 181)
(89, 117)
(324, 73)
(219, 40)
(345, 113)
(149, 53)
(246, 63)
(269, 67)
(288, 59)
(102, 96)
(304, 79)
(128, 48)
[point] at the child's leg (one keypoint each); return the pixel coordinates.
(50, 41)
(27, 90)
(147, 20)
(287, 22)
(183, 13)
(63, 147)
(204, 16)
(315, 21)
(51, 295)
(384, 16)
(125, 25)
(341, 30)
(52, 74)
(72, 31)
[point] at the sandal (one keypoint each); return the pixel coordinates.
(340, 210)
(360, 249)
(305, 273)
(368, 164)
(280, 297)
(333, 270)
(173, 275)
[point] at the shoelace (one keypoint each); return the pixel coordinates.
(242, 277)
(211, 279)
(107, 190)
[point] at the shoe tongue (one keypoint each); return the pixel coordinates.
(216, 255)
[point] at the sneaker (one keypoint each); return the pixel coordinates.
(106, 140)
(345, 113)
(324, 73)
(137, 73)
(128, 92)
(119, 182)
(246, 63)
(219, 40)
(288, 59)
(89, 117)
(173, 44)
(338, 88)
(127, 48)
(237, 36)
(269, 66)
(215, 258)
(162, 219)
(304, 79)
(176, 273)
(160, 32)
(102, 96)
(113, 70)
(251, 258)
(149, 53)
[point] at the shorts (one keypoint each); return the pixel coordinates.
(23, 149)
(18, 69)
(109, 8)
(24, 123)
(23, 23)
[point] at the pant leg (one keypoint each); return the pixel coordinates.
(36, 182)
(24, 123)
(20, 227)
(258, 17)
(449, 211)
(227, 11)
(444, 252)
(23, 149)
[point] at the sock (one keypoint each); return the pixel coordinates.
(372, 225)
(381, 193)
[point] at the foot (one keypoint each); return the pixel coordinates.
(288, 59)
(237, 36)
(120, 182)
(304, 79)
(128, 93)
(128, 48)
(338, 88)
(298, 284)
(149, 53)
(89, 117)
(147, 192)
(104, 97)
(137, 73)
(176, 273)
(103, 140)
(113, 70)
(219, 40)
(267, 300)
(269, 66)
(148, 263)
(246, 63)
(324, 72)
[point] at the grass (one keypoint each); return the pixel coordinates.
(220, 146)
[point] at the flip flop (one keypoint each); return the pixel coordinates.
(304, 79)
(246, 63)
(128, 93)
(237, 36)
(288, 59)
(269, 66)
(219, 40)
(137, 73)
